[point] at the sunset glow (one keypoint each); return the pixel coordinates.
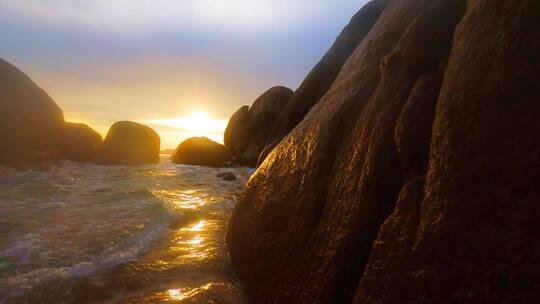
(108, 61)
(198, 123)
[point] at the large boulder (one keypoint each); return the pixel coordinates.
(129, 143)
(201, 151)
(249, 128)
(30, 121)
(322, 76)
(453, 143)
(81, 142)
(415, 178)
(467, 231)
(232, 139)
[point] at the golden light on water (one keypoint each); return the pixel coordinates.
(188, 199)
(197, 227)
(196, 240)
(186, 293)
(192, 241)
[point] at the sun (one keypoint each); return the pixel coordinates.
(173, 131)
(199, 121)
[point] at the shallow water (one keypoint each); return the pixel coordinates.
(83, 233)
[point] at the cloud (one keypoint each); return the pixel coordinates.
(128, 16)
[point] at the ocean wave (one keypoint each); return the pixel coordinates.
(78, 222)
(125, 252)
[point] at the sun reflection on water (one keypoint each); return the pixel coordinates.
(197, 227)
(196, 241)
(189, 201)
(187, 293)
(177, 200)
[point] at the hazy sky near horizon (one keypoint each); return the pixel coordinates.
(159, 61)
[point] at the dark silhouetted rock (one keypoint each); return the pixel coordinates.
(304, 226)
(30, 121)
(81, 142)
(249, 128)
(35, 161)
(201, 151)
(129, 143)
(231, 137)
(228, 176)
(321, 78)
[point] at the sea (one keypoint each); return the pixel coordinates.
(85, 233)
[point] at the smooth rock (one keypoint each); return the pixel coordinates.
(201, 151)
(30, 121)
(231, 138)
(129, 143)
(249, 128)
(81, 142)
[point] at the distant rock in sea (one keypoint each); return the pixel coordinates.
(322, 76)
(81, 142)
(249, 128)
(129, 143)
(31, 123)
(228, 176)
(201, 151)
(415, 178)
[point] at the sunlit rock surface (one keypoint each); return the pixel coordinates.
(129, 143)
(470, 233)
(322, 76)
(31, 123)
(81, 142)
(249, 128)
(201, 151)
(460, 163)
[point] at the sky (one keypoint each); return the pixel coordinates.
(180, 66)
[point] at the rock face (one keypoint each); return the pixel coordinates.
(81, 142)
(249, 128)
(129, 143)
(469, 233)
(30, 121)
(201, 151)
(434, 135)
(231, 137)
(322, 76)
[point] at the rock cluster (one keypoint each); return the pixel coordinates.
(35, 136)
(415, 177)
(249, 128)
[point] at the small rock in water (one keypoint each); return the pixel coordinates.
(228, 176)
